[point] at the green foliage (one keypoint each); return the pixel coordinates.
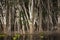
(42, 35)
(22, 14)
(2, 35)
(25, 20)
(44, 12)
(16, 36)
(26, 0)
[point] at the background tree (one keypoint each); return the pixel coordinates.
(29, 16)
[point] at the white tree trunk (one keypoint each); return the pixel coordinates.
(31, 17)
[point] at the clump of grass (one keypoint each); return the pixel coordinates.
(16, 36)
(42, 35)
